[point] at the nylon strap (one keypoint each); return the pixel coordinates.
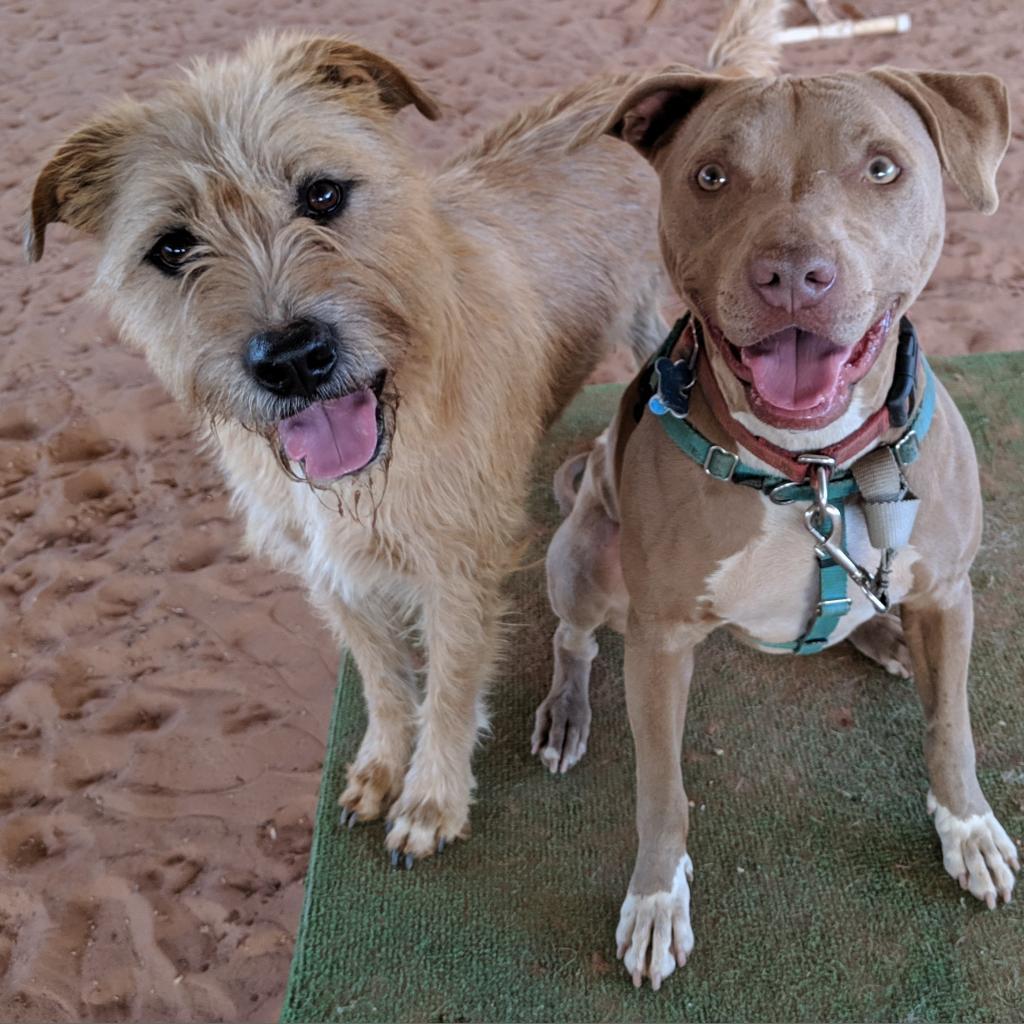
(890, 507)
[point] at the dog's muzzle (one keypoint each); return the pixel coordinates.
(329, 422)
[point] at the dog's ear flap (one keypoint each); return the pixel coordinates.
(339, 64)
(76, 185)
(646, 116)
(968, 118)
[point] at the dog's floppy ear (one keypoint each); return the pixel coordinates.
(76, 185)
(646, 115)
(337, 63)
(968, 118)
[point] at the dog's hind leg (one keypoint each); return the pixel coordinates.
(586, 591)
(562, 722)
(881, 639)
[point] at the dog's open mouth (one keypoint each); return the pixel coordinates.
(337, 437)
(801, 380)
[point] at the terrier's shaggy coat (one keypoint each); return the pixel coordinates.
(472, 303)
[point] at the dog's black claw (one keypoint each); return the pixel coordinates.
(343, 817)
(388, 826)
(353, 819)
(440, 845)
(394, 858)
(409, 862)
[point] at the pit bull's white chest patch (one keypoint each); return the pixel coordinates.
(768, 590)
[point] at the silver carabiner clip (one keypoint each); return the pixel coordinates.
(830, 545)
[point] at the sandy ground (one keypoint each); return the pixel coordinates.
(163, 697)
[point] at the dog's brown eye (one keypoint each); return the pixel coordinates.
(882, 170)
(173, 250)
(711, 177)
(323, 198)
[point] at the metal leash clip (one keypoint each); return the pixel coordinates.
(829, 542)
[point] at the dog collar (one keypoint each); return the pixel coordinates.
(877, 476)
(666, 388)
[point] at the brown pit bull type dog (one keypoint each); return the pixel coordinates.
(784, 472)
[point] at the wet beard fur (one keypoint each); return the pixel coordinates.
(359, 495)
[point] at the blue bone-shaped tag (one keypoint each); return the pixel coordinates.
(675, 381)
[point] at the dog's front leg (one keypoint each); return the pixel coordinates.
(654, 933)
(460, 623)
(387, 668)
(975, 849)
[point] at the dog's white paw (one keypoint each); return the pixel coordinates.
(654, 933)
(977, 852)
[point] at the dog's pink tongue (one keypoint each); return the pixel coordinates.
(333, 438)
(794, 369)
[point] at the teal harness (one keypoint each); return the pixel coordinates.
(667, 395)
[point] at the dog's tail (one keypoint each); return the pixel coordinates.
(745, 42)
(591, 469)
(746, 39)
(568, 477)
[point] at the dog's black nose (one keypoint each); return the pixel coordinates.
(295, 361)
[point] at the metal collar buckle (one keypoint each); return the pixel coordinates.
(715, 452)
(834, 606)
(907, 448)
(819, 471)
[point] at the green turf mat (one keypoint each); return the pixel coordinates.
(819, 892)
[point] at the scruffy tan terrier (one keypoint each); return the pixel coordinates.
(376, 350)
